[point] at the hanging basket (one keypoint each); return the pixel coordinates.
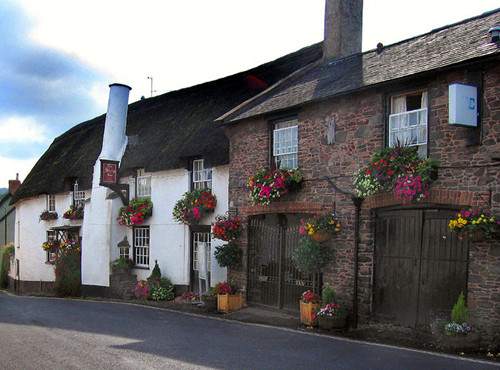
(477, 236)
(322, 237)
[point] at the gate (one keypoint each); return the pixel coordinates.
(418, 273)
(273, 279)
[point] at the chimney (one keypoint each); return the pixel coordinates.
(343, 28)
(14, 184)
(114, 139)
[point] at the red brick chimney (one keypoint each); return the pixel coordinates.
(343, 28)
(14, 184)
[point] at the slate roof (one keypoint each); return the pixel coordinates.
(163, 131)
(442, 48)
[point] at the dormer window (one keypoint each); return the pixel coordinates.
(78, 196)
(143, 184)
(202, 177)
(408, 121)
(286, 144)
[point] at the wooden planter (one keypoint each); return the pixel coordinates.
(306, 312)
(332, 322)
(322, 237)
(227, 303)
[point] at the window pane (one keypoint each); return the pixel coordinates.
(141, 246)
(285, 144)
(202, 177)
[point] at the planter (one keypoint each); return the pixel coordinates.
(477, 236)
(462, 342)
(322, 237)
(306, 312)
(121, 270)
(227, 303)
(209, 302)
(332, 322)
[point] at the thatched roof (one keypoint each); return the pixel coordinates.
(163, 131)
(446, 47)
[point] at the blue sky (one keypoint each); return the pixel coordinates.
(57, 57)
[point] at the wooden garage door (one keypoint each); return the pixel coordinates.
(418, 273)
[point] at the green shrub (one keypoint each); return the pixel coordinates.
(68, 273)
(6, 255)
(229, 255)
(311, 255)
(460, 313)
(155, 274)
(328, 294)
(162, 289)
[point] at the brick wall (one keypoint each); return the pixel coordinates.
(467, 176)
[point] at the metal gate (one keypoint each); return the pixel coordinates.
(418, 272)
(273, 279)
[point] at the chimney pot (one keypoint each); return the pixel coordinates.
(14, 184)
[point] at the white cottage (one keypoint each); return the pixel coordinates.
(163, 146)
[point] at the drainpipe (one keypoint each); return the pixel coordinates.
(357, 210)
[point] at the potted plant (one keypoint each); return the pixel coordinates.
(226, 228)
(266, 186)
(476, 224)
(122, 265)
(48, 215)
(320, 227)
(330, 315)
(209, 300)
(74, 213)
(193, 206)
(399, 170)
(229, 255)
(460, 333)
(309, 304)
(228, 300)
(135, 213)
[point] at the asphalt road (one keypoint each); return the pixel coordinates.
(44, 333)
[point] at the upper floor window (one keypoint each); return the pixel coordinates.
(202, 177)
(408, 121)
(285, 144)
(78, 196)
(51, 202)
(143, 184)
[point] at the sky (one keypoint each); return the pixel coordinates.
(58, 57)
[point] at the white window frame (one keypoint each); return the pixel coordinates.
(286, 144)
(78, 196)
(201, 176)
(51, 202)
(141, 240)
(198, 238)
(51, 236)
(409, 127)
(143, 184)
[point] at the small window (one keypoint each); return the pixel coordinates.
(408, 121)
(141, 246)
(78, 196)
(285, 144)
(143, 184)
(201, 238)
(51, 203)
(51, 237)
(202, 177)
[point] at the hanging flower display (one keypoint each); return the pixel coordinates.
(48, 215)
(266, 186)
(324, 223)
(74, 213)
(57, 249)
(399, 170)
(136, 212)
(226, 228)
(475, 223)
(193, 206)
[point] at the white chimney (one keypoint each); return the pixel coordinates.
(343, 28)
(114, 139)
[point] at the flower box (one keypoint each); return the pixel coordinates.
(307, 311)
(460, 342)
(227, 303)
(332, 322)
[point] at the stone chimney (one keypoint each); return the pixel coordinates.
(343, 28)
(14, 184)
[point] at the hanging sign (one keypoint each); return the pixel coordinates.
(109, 172)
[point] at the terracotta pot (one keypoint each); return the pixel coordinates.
(306, 312)
(322, 237)
(332, 322)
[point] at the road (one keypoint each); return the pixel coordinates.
(45, 333)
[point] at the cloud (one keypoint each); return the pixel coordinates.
(10, 167)
(21, 130)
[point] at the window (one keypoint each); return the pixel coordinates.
(51, 237)
(78, 196)
(198, 239)
(51, 203)
(141, 246)
(202, 177)
(408, 121)
(285, 144)
(143, 184)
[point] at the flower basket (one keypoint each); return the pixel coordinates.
(332, 322)
(227, 303)
(266, 186)
(193, 206)
(225, 228)
(322, 237)
(476, 224)
(320, 227)
(47, 216)
(477, 236)
(74, 213)
(135, 213)
(307, 310)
